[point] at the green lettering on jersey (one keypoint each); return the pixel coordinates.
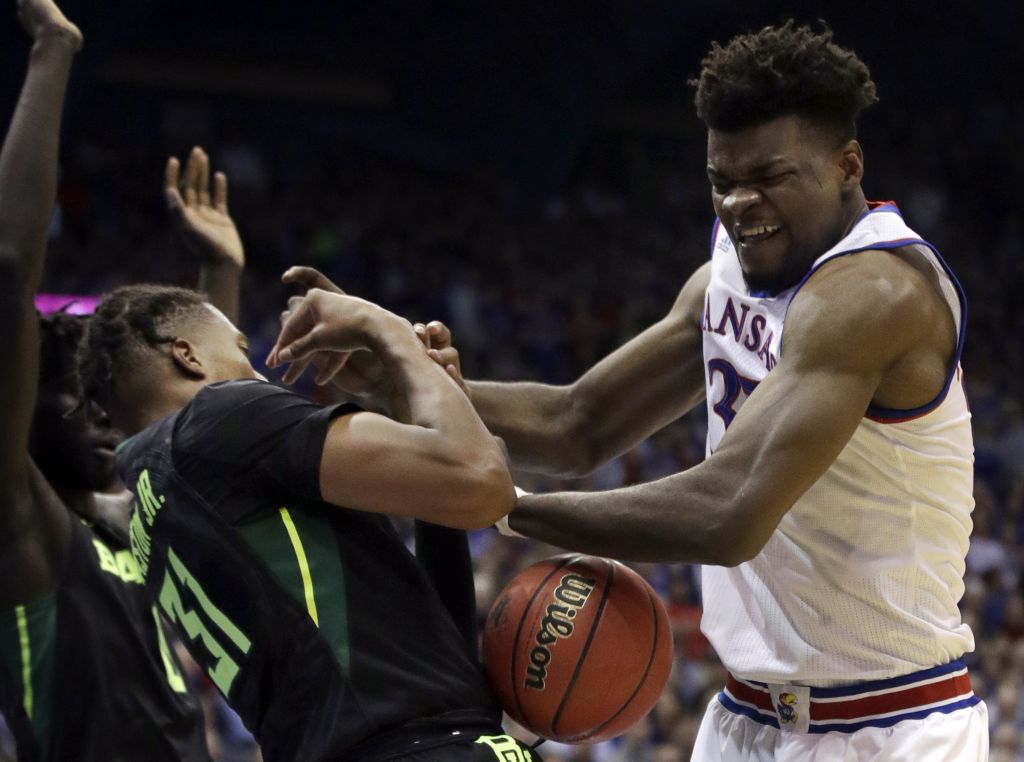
(174, 678)
(148, 501)
(119, 563)
(141, 545)
(221, 667)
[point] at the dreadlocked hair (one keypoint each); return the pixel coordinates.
(779, 71)
(128, 321)
(60, 333)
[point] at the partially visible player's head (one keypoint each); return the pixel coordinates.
(781, 108)
(72, 444)
(150, 349)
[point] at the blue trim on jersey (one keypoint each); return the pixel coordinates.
(746, 711)
(888, 722)
(889, 682)
(889, 206)
(714, 235)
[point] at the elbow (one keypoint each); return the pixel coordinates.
(731, 555)
(486, 494)
(735, 543)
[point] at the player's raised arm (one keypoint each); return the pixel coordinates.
(435, 460)
(630, 394)
(28, 181)
(783, 439)
(205, 226)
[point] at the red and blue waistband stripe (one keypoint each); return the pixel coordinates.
(878, 703)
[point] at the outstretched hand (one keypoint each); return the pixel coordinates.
(42, 18)
(203, 219)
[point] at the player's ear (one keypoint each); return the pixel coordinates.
(851, 163)
(186, 360)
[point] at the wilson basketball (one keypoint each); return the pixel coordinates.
(577, 648)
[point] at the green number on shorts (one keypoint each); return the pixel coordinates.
(221, 667)
(506, 748)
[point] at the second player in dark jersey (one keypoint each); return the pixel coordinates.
(86, 673)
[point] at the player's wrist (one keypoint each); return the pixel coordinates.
(502, 524)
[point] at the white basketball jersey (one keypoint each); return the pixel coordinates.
(862, 577)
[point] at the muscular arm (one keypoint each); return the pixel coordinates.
(436, 460)
(635, 391)
(840, 345)
(28, 180)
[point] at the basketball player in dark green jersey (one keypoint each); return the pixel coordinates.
(85, 669)
(259, 525)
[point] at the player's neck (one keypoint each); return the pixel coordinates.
(81, 501)
(857, 206)
(164, 402)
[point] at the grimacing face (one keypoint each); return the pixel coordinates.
(781, 190)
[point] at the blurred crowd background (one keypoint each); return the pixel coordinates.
(534, 176)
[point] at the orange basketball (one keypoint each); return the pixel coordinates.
(577, 648)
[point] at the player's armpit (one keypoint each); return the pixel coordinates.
(373, 463)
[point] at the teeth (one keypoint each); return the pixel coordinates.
(745, 233)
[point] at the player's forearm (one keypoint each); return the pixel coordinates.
(28, 162)
(222, 284)
(467, 456)
(28, 181)
(539, 424)
(659, 521)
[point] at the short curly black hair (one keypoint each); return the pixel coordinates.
(783, 70)
(126, 322)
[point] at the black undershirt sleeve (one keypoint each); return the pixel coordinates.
(444, 554)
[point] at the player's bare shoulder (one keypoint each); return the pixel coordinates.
(879, 311)
(689, 304)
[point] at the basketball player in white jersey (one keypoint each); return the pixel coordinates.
(833, 510)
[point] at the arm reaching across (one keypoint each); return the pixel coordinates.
(635, 391)
(207, 229)
(784, 437)
(435, 460)
(32, 525)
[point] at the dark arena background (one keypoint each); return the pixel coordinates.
(532, 173)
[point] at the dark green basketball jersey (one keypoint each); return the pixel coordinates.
(315, 622)
(86, 673)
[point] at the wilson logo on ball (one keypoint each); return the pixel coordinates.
(570, 596)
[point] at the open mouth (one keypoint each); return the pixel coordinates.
(754, 234)
(106, 448)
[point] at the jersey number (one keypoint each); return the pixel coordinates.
(734, 384)
(211, 629)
